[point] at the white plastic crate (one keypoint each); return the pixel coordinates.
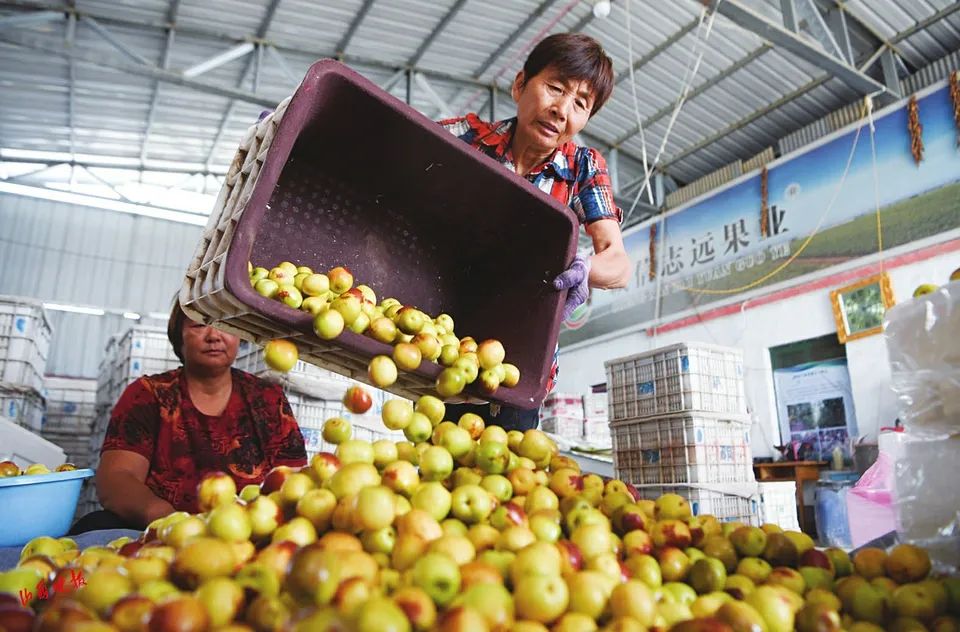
(682, 449)
(70, 395)
(25, 334)
(562, 405)
(567, 427)
(727, 503)
(681, 377)
(597, 430)
(23, 405)
(778, 504)
(595, 405)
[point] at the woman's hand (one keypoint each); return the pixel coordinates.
(576, 280)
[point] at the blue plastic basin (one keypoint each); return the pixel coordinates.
(39, 504)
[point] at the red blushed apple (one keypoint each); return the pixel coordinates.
(130, 548)
(357, 400)
(274, 479)
(215, 488)
(630, 518)
(625, 574)
(566, 482)
(341, 279)
(633, 492)
(571, 559)
(323, 466)
(814, 557)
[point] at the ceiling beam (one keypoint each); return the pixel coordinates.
(517, 32)
(172, 11)
(700, 89)
(213, 34)
(747, 18)
(425, 44)
(352, 29)
(112, 39)
(645, 59)
(29, 19)
(43, 44)
(261, 33)
(220, 59)
(191, 168)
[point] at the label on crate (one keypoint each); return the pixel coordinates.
(685, 364)
(21, 324)
(645, 388)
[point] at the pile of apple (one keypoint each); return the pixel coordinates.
(9, 468)
(336, 304)
(464, 528)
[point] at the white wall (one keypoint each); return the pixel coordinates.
(755, 330)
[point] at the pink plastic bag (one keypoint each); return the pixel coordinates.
(870, 503)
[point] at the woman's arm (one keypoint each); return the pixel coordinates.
(610, 265)
(121, 488)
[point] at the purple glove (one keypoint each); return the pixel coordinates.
(574, 279)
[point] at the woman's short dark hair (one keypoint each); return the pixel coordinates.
(574, 56)
(175, 327)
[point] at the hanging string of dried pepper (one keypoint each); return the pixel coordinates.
(653, 252)
(764, 214)
(955, 97)
(916, 130)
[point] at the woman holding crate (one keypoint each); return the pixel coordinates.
(565, 80)
(169, 430)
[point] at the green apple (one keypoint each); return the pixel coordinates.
(419, 429)
(541, 598)
(456, 441)
(336, 430)
(433, 498)
(230, 523)
(471, 503)
(436, 464)
(438, 576)
(355, 451)
(497, 485)
(708, 575)
(589, 593)
(375, 508)
(774, 607)
(493, 457)
(317, 506)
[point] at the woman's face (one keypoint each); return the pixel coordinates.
(551, 110)
(208, 349)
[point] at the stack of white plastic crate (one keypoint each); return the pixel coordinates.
(315, 395)
(596, 419)
(25, 334)
(562, 415)
(71, 411)
(679, 424)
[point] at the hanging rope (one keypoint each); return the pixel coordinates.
(916, 130)
(955, 97)
(653, 252)
(764, 214)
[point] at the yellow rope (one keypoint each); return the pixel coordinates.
(813, 234)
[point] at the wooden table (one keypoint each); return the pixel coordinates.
(798, 471)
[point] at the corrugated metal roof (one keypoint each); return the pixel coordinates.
(746, 95)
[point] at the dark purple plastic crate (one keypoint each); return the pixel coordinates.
(353, 177)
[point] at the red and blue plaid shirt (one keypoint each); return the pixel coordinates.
(576, 176)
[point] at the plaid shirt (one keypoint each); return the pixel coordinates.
(576, 176)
